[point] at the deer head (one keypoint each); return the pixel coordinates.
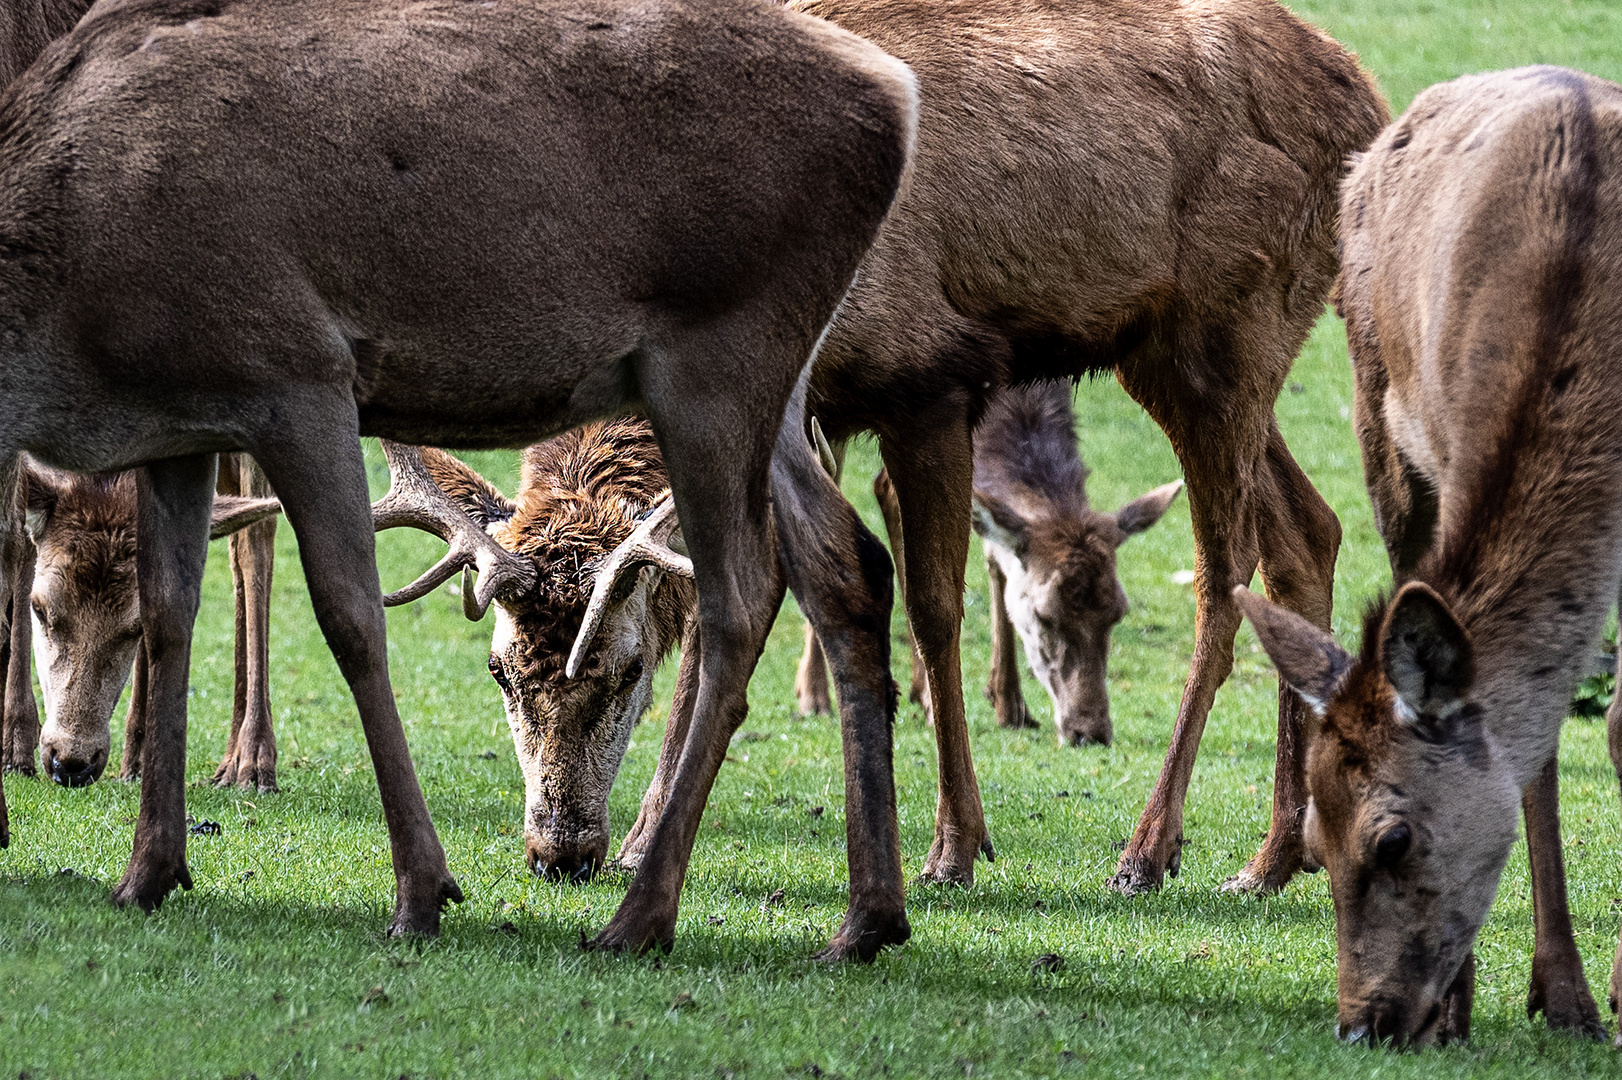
(1412, 810)
(1063, 595)
(575, 649)
(87, 609)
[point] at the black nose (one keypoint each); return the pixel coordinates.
(74, 772)
(560, 863)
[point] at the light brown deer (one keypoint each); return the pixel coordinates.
(86, 616)
(1050, 562)
(1146, 188)
(1482, 232)
(611, 206)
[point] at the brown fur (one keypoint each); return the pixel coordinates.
(1486, 369)
(1142, 186)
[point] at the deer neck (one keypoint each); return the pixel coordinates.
(1534, 567)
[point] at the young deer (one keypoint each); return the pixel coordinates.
(1050, 558)
(86, 616)
(1483, 237)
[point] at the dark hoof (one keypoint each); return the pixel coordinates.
(863, 934)
(1561, 994)
(146, 886)
(418, 916)
(814, 704)
(1091, 736)
(631, 932)
(1135, 876)
(1269, 870)
(1013, 717)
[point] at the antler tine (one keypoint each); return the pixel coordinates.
(649, 543)
(414, 500)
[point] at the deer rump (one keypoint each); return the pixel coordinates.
(449, 223)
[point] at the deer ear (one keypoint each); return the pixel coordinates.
(1145, 510)
(1000, 524)
(233, 512)
(43, 492)
(1426, 654)
(1308, 660)
(478, 498)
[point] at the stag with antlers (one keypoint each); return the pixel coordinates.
(343, 262)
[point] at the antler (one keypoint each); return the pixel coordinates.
(415, 500)
(648, 544)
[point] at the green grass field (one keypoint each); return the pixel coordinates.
(276, 965)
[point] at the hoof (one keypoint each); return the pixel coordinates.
(147, 885)
(418, 916)
(863, 934)
(1136, 875)
(1014, 717)
(953, 863)
(1561, 994)
(631, 932)
(814, 704)
(1269, 870)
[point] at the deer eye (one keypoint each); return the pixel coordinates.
(631, 674)
(499, 675)
(1392, 845)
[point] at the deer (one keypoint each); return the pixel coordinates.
(1480, 232)
(1050, 563)
(86, 617)
(611, 208)
(1024, 249)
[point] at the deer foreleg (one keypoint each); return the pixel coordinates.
(250, 753)
(890, 508)
(636, 842)
(1559, 988)
(932, 467)
(174, 498)
(1003, 689)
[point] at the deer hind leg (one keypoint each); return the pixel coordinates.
(841, 575)
(320, 476)
(1003, 689)
(635, 844)
(1613, 732)
(250, 753)
(1220, 463)
(811, 680)
(1559, 989)
(173, 502)
(1299, 538)
(135, 719)
(717, 446)
(931, 465)
(890, 508)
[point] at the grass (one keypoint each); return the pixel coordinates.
(275, 965)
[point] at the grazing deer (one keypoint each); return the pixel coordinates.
(1024, 248)
(610, 207)
(1482, 232)
(1050, 561)
(87, 618)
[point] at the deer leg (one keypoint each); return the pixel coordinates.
(811, 680)
(932, 468)
(320, 476)
(135, 719)
(20, 711)
(841, 576)
(250, 756)
(1299, 537)
(1559, 988)
(884, 492)
(1613, 732)
(635, 845)
(173, 499)
(1003, 689)
(718, 449)
(1220, 470)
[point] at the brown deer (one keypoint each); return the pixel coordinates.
(1050, 561)
(1146, 188)
(87, 621)
(26, 27)
(610, 207)
(1481, 236)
